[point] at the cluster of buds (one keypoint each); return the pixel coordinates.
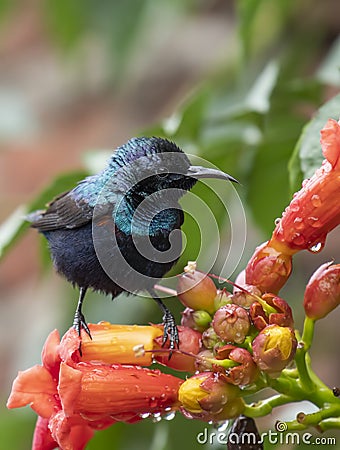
(243, 333)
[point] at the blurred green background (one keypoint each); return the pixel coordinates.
(234, 82)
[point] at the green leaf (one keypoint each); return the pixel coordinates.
(258, 98)
(329, 71)
(307, 156)
(247, 10)
(66, 21)
(14, 227)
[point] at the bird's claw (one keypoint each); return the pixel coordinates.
(79, 323)
(170, 332)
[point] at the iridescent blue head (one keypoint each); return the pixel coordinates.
(144, 166)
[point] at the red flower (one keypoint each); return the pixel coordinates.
(74, 395)
(311, 215)
(315, 209)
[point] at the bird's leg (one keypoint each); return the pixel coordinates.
(170, 328)
(79, 321)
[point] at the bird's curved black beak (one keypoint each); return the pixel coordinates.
(207, 172)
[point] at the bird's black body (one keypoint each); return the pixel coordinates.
(97, 232)
(74, 256)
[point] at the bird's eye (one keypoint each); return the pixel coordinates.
(162, 172)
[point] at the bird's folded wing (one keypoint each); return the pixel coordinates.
(63, 212)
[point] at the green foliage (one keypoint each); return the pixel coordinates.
(307, 156)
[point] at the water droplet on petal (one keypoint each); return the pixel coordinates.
(170, 416)
(314, 222)
(327, 167)
(157, 417)
(144, 415)
(223, 426)
(153, 402)
(298, 239)
(298, 222)
(316, 248)
(277, 221)
(316, 201)
(294, 207)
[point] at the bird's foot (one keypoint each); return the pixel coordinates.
(79, 323)
(170, 332)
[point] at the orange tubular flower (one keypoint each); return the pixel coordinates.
(311, 215)
(75, 395)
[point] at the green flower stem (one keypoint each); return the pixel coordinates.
(319, 416)
(264, 407)
(226, 363)
(329, 424)
(303, 369)
(295, 385)
(308, 333)
(294, 425)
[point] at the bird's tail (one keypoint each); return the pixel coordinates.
(34, 216)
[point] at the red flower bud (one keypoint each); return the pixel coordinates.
(197, 320)
(202, 362)
(247, 297)
(273, 348)
(246, 372)
(197, 291)
(189, 342)
(262, 316)
(231, 323)
(210, 338)
(322, 292)
(269, 268)
(222, 298)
